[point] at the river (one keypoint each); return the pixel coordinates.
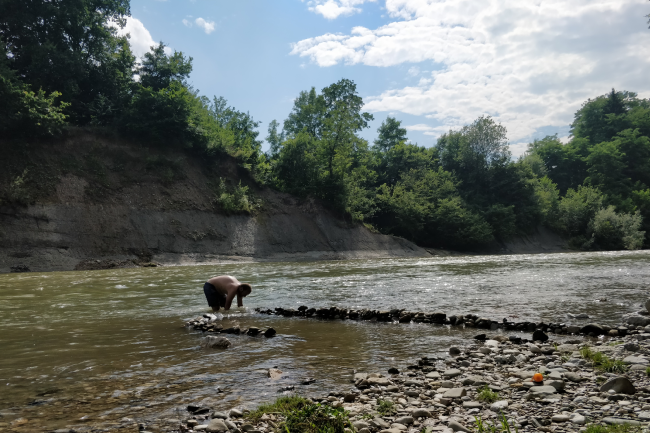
(85, 350)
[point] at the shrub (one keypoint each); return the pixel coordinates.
(502, 426)
(235, 200)
(616, 231)
(487, 395)
(385, 407)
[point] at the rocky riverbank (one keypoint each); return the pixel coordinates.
(586, 380)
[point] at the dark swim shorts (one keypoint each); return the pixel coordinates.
(215, 299)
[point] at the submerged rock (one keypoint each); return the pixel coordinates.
(212, 342)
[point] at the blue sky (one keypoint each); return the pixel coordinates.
(433, 64)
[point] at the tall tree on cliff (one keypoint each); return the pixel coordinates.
(71, 47)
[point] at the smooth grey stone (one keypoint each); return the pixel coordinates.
(360, 376)
(498, 406)
(231, 425)
(433, 375)
(452, 373)
(472, 404)
(217, 425)
(643, 415)
(542, 390)
(421, 413)
(560, 418)
(557, 384)
(221, 415)
(380, 423)
(620, 385)
(635, 360)
(456, 426)
(474, 380)
(455, 393)
(398, 426)
(406, 420)
(360, 424)
(236, 413)
(447, 384)
(574, 377)
(576, 418)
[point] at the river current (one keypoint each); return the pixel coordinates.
(86, 350)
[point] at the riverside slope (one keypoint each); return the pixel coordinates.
(95, 202)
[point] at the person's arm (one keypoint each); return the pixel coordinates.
(229, 299)
(240, 299)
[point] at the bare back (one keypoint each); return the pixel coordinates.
(227, 286)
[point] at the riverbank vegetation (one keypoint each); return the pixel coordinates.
(64, 66)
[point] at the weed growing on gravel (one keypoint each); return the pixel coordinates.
(502, 427)
(620, 428)
(385, 407)
(647, 371)
(303, 416)
(487, 395)
(602, 362)
(281, 405)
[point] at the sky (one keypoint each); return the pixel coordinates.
(435, 65)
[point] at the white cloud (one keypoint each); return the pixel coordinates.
(528, 64)
(187, 23)
(207, 26)
(332, 9)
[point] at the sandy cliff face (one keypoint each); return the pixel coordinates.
(147, 222)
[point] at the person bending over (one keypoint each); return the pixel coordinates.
(221, 290)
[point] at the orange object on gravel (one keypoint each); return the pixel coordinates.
(537, 377)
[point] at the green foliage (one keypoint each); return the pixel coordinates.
(616, 231)
(159, 70)
(602, 362)
(390, 134)
(235, 200)
(577, 208)
(284, 404)
(303, 416)
(612, 428)
(386, 407)
(486, 395)
(316, 418)
(502, 426)
(647, 371)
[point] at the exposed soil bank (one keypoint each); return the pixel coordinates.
(93, 202)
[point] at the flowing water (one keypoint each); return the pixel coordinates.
(85, 350)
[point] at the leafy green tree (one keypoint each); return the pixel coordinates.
(23, 112)
(307, 114)
(70, 47)
(390, 134)
(577, 208)
(158, 70)
(297, 168)
(274, 138)
(602, 118)
(616, 231)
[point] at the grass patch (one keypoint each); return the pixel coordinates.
(385, 407)
(647, 371)
(487, 395)
(303, 416)
(602, 362)
(501, 425)
(620, 428)
(282, 405)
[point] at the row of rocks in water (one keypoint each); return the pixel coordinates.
(444, 394)
(440, 318)
(210, 323)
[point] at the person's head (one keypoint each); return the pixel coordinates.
(245, 289)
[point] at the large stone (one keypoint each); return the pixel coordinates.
(474, 380)
(217, 425)
(472, 405)
(592, 328)
(557, 384)
(498, 406)
(573, 377)
(637, 320)
(433, 375)
(456, 426)
(379, 381)
(576, 418)
(635, 360)
(358, 425)
(455, 393)
(564, 348)
(560, 418)
(454, 351)
(274, 373)
(360, 376)
(631, 347)
(421, 413)
(644, 416)
(212, 342)
(405, 420)
(542, 391)
(620, 385)
(540, 336)
(380, 423)
(452, 373)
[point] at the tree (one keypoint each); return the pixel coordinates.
(274, 138)
(159, 70)
(70, 47)
(390, 134)
(600, 119)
